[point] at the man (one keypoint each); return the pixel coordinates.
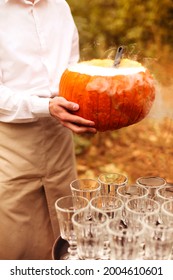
(38, 40)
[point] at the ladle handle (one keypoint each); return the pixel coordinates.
(118, 56)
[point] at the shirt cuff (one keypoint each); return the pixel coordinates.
(40, 106)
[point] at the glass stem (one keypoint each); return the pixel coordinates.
(72, 250)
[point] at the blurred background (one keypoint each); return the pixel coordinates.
(145, 29)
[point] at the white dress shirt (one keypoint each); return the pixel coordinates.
(37, 43)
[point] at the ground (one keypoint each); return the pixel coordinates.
(143, 149)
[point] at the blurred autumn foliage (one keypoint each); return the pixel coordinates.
(143, 26)
(145, 29)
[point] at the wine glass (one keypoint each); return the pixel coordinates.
(125, 242)
(127, 192)
(151, 183)
(110, 182)
(65, 207)
(164, 193)
(113, 207)
(86, 187)
(167, 215)
(167, 212)
(131, 191)
(158, 238)
(90, 233)
(136, 209)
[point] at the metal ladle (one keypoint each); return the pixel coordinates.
(118, 56)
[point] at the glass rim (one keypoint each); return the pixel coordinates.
(161, 188)
(165, 211)
(144, 199)
(148, 178)
(88, 222)
(132, 185)
(162, 227)
(120, 232)
(73, 197)
(107, 196)
(115, 198)
(84, 190)
(112, 173)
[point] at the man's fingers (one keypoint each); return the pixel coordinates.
(68, 117)
(72, 106)
(79, 129)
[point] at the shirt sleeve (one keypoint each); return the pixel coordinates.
(74, 56)
(21, 107)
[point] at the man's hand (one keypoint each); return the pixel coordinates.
(61, 109)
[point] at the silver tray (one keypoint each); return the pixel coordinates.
(59, 248)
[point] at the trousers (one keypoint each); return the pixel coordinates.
(37, 164)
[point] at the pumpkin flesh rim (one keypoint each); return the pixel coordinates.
(98, 67)
(92, 70)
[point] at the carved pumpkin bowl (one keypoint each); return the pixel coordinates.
(112, 97)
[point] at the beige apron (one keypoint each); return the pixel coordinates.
(37, 164)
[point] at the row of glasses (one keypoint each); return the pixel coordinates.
(125, 243)
(160, 194)
(144, 237)
(110, 199)
(82, 190)
(65, 207)
(104, 200)
(130, 242)
(157, 237)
